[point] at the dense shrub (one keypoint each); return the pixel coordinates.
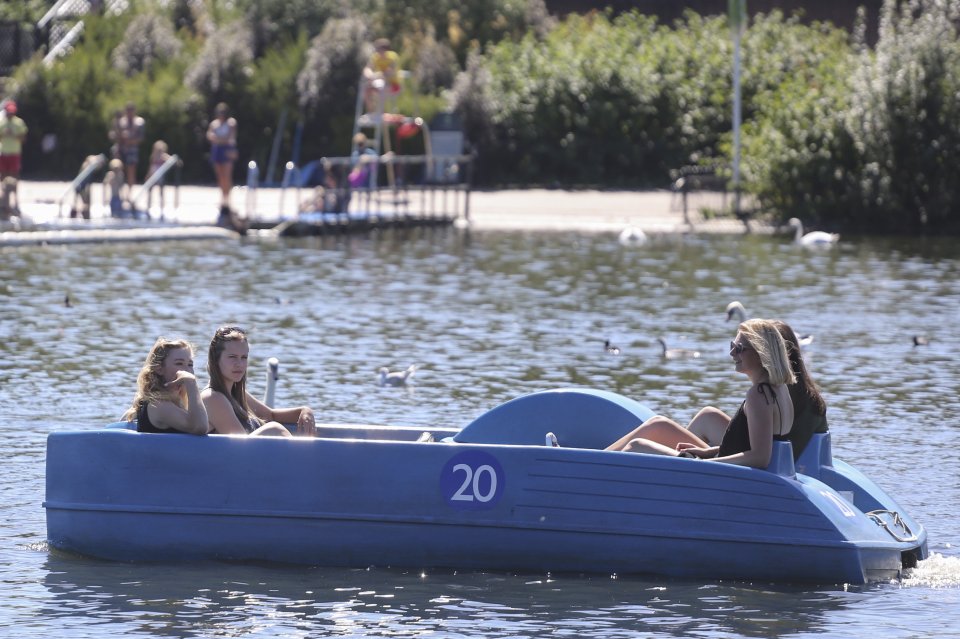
(588, 104)
(225, 63)
(333, 66)
(149, 40)
(796, 155)
(283, 20)
(23, 11)
(68, 105)
(868, 140)
(834, 132)
(435, 65)
(904, 119)
(460, 23)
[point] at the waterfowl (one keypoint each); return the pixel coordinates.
(632, 236)
(396, 378)
(813, 238)
(610, 348)
(273, 374)
(921, 340)
(735, 310)
(677, 353)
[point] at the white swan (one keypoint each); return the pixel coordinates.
(632, 236)
(735, 310)
(273, 374)
(677, 353)
(813, 238)
(398, 378)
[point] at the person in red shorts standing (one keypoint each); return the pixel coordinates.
(13, 131)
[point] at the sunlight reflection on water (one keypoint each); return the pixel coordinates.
(487, 317)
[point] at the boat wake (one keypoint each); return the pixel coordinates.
(936, 571)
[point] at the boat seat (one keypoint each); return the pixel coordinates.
(781, 459)
(817, 455)
(580, 418)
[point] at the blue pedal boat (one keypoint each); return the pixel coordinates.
(489, 496)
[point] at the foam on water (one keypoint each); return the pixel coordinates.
(936, 571)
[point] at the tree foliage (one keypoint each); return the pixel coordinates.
(149, 40)
(867, 139)
(835, 132)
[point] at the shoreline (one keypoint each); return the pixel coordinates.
(541, 209)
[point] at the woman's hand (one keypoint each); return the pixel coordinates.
(182, 378)
(306, 423)
(693, 449)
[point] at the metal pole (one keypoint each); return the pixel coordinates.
(737, 10)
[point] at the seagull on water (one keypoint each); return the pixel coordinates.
(396, 378)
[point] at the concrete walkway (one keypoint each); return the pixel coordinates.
(654, 212)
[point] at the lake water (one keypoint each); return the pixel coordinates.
(487, 316)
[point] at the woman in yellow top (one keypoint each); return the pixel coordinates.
(13, 131)
(381, 73)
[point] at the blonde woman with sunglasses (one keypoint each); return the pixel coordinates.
(759, 352)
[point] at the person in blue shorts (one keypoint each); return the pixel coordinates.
(222, 135)
(130, 129)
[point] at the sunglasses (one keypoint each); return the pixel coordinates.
(737, 347)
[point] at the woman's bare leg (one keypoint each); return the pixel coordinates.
(272, 429)
(641, 445)
(709, 425)
(224, 180)
(661, 430)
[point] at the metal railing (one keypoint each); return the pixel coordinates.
(416, 191)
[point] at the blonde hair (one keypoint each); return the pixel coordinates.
(766, 340)
(150, 385)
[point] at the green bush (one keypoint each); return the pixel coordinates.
(867, 139)
(834, 132)
(69, 102)
(904, 119)
(149, 40)
(796, 155)
(593, 102)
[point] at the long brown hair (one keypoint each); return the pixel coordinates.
(150, 385)
(238, 393)
(799, 368)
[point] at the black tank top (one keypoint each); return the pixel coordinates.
(144, 425)
(736, 439)
(806, 420)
